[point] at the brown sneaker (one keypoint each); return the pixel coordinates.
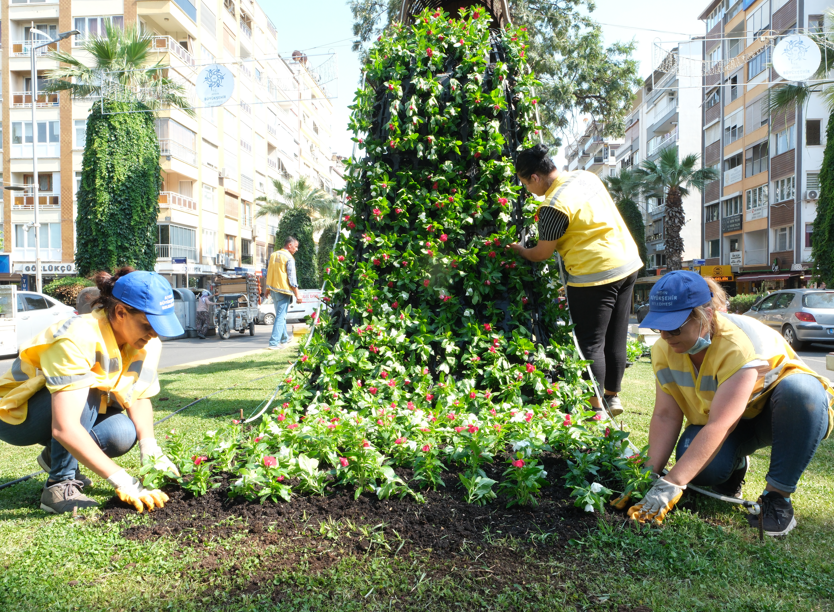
(45, 461)
(64, 496)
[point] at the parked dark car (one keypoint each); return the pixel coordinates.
(800, 315)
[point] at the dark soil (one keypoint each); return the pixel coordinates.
(465, 537)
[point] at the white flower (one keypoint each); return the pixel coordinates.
(589, 508)
(520, 444)
(211, 434)
(238, 483)
(224, 445)
(386, 308)
(468, 312)
(596, 487)
(518, 418)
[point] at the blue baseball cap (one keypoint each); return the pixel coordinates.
(152, 294)
(673, 297)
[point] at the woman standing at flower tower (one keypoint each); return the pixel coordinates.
(741, 387)
(71, 386)
(579, 220)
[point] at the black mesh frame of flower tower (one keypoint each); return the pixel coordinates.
(498, 9)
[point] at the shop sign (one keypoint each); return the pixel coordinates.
(796, 58)
(735, 258)
(215, 85)
(731, 224)
(59, 268)
(756, 213)
(721, 274)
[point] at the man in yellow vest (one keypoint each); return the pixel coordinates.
(741, 387)
(579, 219)
(282, 284)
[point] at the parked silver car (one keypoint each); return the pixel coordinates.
(800, 315)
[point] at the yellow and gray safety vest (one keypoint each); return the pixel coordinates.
(276, 274)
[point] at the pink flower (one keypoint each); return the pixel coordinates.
(258, 439)
(497, 427)
(550, 391)
(472, 429)
(429, 52)
(384, 374)
(373, 390)
(235, 422)
(377, 262)
(425, 282)
(377, 212)
(530, 368)
(472, 395)
(451, 416)
(534, 101)
(528, 417)
(392, 383)
(341, 258)
(279, 478)
(429, 397)
(596, 417)
(281, 417)
(365, 444)
(270, 462)
(344, 461)
(476, 358)
(458, 429)
(410, 405)
(426, 448)
(567, 422)
(379, 422)
(443, 237)
(399, 440)
(331, 426)
(304, 358)
(519, 463)
(487, 327)
(199, 460)
(390, 87)
(395, 305)
(607, 431)
(487, 394)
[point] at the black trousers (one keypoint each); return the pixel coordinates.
(601, 317)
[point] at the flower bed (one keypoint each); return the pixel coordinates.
(439, 346)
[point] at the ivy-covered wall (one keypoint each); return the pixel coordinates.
(296, 222)
(118, 202)
(325, 248)
(822, 248)
(634, 222)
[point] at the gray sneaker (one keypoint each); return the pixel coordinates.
(64, 496)
(45, 461)
(614, 405)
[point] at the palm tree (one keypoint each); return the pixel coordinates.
(121, 69)
(785, 97)
(671, 180)
(625, 189)
(301, 195)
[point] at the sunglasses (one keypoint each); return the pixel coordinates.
(672, 332)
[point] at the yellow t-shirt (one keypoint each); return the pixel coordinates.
(79, 352)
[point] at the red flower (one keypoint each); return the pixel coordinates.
(390, 126)
(451, 198)
(199, 460)
(344, 461)
(607, 431)
(426, 448)
(567, 421)
(373, 390)
(434, 186)
(528, 417)
(472, 429)
(458, 429)
(530, 368)
(476, 14)
(502, 201)
(429, 397)
(519, 463)
(451, 416)
(258, 439)
(390, 87)
(395, 305)
(304, 358)
(377, 212)
(399, 440)
(596, 417)
(524, 300)
(292, 426)
(496, 107)
(430, 228)
(392, 144)
(477, 154)
(472, 395)
(365, 444)
(487, 327)
(534, 101)
(429, 52)
(270, 462)
(281, 417)
(425, 282)
(443, 237)
(384, 374)
(392, 383)
(492, 254)
(492, 349)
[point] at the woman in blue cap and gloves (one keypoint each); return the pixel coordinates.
(741, 387)
(82, 390)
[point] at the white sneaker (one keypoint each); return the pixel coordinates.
(615, 407)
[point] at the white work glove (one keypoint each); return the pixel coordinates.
(149, 449)
(131, 491)
(661, 498)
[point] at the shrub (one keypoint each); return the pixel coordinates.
(66, 289)
(296, 222)
(742, 302)
(326, 242)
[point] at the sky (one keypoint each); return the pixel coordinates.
(325, 26)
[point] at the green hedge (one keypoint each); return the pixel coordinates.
(742, 302)
(296, 222)
(326, 242)
(66, 289)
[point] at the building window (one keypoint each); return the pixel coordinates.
(715, 55)
(757, 197)
(94, 26)
(809, 234)
(734, 127)
(784, 189)
(50, 239)
(756, 161)
(783, 239)
(758, 21)
(816, 24)
(229, 244)
(735, 245)
(48, 132)
(211, 157)
(732, 207)
(757, 65)
(246, 255)
(812, 180)
(176, 241)
(80, 133)
(713, 248)
(712, 134)
(813, 132)
(209, 203)
(712, 100)
(715, 17)
(77, 183)
(785, 140)
(732, 82)
(209, 243)
(732, 162)
(711, 213)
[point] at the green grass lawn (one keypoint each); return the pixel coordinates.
(705, 558)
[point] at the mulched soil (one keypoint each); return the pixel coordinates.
(460, 537)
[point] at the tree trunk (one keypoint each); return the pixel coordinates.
(675, 220)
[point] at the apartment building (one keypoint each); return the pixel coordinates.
(593, 152)
(666, 113)
(215, 165)
(758, 218)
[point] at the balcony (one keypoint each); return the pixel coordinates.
(46, 200)
(245, 30)
(245, 107)
(170, 148)
(170, 15)
(732, 176)
(168, 251)
(23, 99)
(38, 2)
(24, 49)
(169, 199)
(755, 257)
(246, 184)
(272, 163)
(245, 71)
(45, 150)
(246, 146)
(166, 44)
(661, 142)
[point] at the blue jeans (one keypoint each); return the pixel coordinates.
(113, 431)
(793, 422)
(279, 328)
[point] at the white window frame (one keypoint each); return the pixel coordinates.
(79, 133)
(784, 140)
(785, 234)
(784, 189)
(756, 197)
(732, 206)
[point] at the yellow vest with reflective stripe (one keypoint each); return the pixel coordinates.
(738, 340)
(276, 274)
(597, 247)
(126, 374)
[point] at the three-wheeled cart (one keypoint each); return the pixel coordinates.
(236, 304)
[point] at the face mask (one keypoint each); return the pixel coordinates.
(701, 343)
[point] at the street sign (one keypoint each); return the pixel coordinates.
(215, 85)
(5, 263)
(699, 262)
(179, 260)
(796, 58)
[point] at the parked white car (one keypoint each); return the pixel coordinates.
(295, 312)
(36, 312)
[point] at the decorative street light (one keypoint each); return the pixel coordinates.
(33, 47)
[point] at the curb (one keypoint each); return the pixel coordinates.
(202, 362)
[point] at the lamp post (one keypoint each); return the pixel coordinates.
(32, 48)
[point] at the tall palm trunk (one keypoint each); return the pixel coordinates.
(675, 220)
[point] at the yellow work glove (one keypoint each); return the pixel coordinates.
(149, 449)
(661, 498)
(622, 501)
(131, 491)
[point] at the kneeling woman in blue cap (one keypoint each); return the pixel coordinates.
(82, 390)
(741, 387)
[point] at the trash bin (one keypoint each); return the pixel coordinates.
(185, 307)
